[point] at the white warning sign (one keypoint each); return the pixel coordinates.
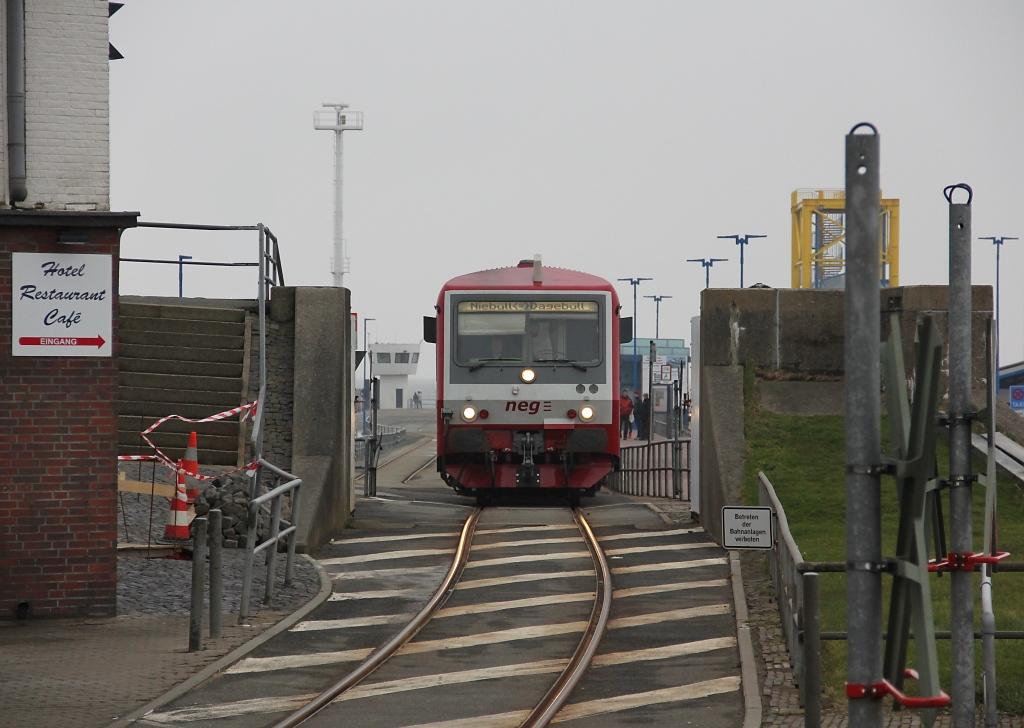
(747, 527)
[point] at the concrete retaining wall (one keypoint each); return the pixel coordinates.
(309, 402)
(794, 335)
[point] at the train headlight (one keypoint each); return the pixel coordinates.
(586, 413)
(469, 413)
(528, 375)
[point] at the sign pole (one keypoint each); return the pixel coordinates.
(863, 429)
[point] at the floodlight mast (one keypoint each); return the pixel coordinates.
(636, 366)
(657, 314)
(742, 241)
(707, 263)
(334, 117)
(998, 242)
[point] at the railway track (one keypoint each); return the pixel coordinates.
(542, 713)
(501, 617)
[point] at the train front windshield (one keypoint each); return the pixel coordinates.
(493, 333)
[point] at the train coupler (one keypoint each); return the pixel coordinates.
(527, 476)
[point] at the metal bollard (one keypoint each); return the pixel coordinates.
(195, 617)
(811, 681)
(216, 561)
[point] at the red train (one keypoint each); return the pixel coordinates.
(527, 379)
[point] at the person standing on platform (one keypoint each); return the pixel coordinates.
(642, 415)
(625, 410)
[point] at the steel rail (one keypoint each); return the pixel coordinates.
(382, 653)
(558, 694)
(430, 461)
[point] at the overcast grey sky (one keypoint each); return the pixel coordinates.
(614, 137)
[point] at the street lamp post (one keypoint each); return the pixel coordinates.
(367, 360)
(334, 117)
(636, 366)
(657, 313)
(181, 276)
(707, 263)
(998, 242)
(742, 241)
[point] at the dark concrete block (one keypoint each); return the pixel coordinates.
(282, 303)
(722, 447)
(810, 331)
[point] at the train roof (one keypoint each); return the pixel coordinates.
(521, 277)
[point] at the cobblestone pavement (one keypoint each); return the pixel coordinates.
(89, 672)
(780, 697)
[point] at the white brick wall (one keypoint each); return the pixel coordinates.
(67, 105)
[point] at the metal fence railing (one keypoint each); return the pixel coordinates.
(659, 469)
(386, 435)
(274, 499)
(795, 582)
(271, 274)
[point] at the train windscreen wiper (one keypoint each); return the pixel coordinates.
(481, 362)
(571, 362)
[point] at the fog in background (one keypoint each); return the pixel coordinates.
(617, 138)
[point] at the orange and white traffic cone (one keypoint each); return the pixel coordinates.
(190, 464)
(177, 519)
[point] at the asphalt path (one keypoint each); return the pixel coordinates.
(669, 657)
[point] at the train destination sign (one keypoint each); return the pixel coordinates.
(747, 527)
(61, 304)
(528, 307)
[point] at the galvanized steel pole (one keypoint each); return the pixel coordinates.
(811, 679)
(195, 617)
(216, 572)
(339, 241)
(863, 429)
(998, 242)
(637, 384)
(961, 581)
(988, 618)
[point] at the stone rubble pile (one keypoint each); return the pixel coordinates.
(230, 493)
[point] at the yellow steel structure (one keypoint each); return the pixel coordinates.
(819, 239)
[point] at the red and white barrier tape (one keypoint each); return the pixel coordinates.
(245, 411)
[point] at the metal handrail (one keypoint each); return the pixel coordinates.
(271, 273)
(659, 468)
(274, 497)
(796, 592)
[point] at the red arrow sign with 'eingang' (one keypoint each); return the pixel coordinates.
(96, 341)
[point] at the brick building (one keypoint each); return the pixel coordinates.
(58, 429)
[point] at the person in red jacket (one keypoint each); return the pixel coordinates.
(625, 410)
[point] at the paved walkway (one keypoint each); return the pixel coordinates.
(90, 672)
